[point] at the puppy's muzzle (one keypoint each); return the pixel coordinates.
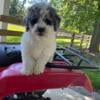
(40, 31)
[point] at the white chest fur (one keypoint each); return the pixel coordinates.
(36, 52)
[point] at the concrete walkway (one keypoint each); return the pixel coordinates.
(73, 93)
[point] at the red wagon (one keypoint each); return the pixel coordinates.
(63, 72)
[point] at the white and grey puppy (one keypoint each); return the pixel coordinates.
(39, 41)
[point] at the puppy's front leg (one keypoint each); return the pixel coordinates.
(40, 64)
(51, 58)
(28, 64)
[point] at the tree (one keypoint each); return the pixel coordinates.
(95, 41)
(76, 15)
(17, 8)
(81, 16)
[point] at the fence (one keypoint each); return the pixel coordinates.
(74, 40)
(63, 38)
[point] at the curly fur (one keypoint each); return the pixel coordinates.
(39, 41)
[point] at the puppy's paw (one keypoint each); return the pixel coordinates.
(50, 60)
(27, 72)
(38, 70)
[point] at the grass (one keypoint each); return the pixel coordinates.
(94, 75)
(95, 78)
(14, 28)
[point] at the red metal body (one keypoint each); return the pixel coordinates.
(12, 81)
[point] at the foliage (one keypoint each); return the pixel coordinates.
(77, 15)
(17, 8)
(95, 41)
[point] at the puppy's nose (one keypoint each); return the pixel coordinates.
(41, 29)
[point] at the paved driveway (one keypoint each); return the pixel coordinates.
(74, 93)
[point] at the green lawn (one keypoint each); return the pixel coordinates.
(94, 75)
(14, 28)
(95, 78)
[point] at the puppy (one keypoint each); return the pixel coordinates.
(39, 41)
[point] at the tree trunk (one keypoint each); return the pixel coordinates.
(95, 41)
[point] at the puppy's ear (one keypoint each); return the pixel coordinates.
(26, 23)
(56, 22)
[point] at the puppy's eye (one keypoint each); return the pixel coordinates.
(48, 21)
(34, 21)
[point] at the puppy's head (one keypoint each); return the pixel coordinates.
(41, 19)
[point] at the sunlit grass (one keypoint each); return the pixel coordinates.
(15, 27)
(13, 39)
(63, 40)
(95, 78)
